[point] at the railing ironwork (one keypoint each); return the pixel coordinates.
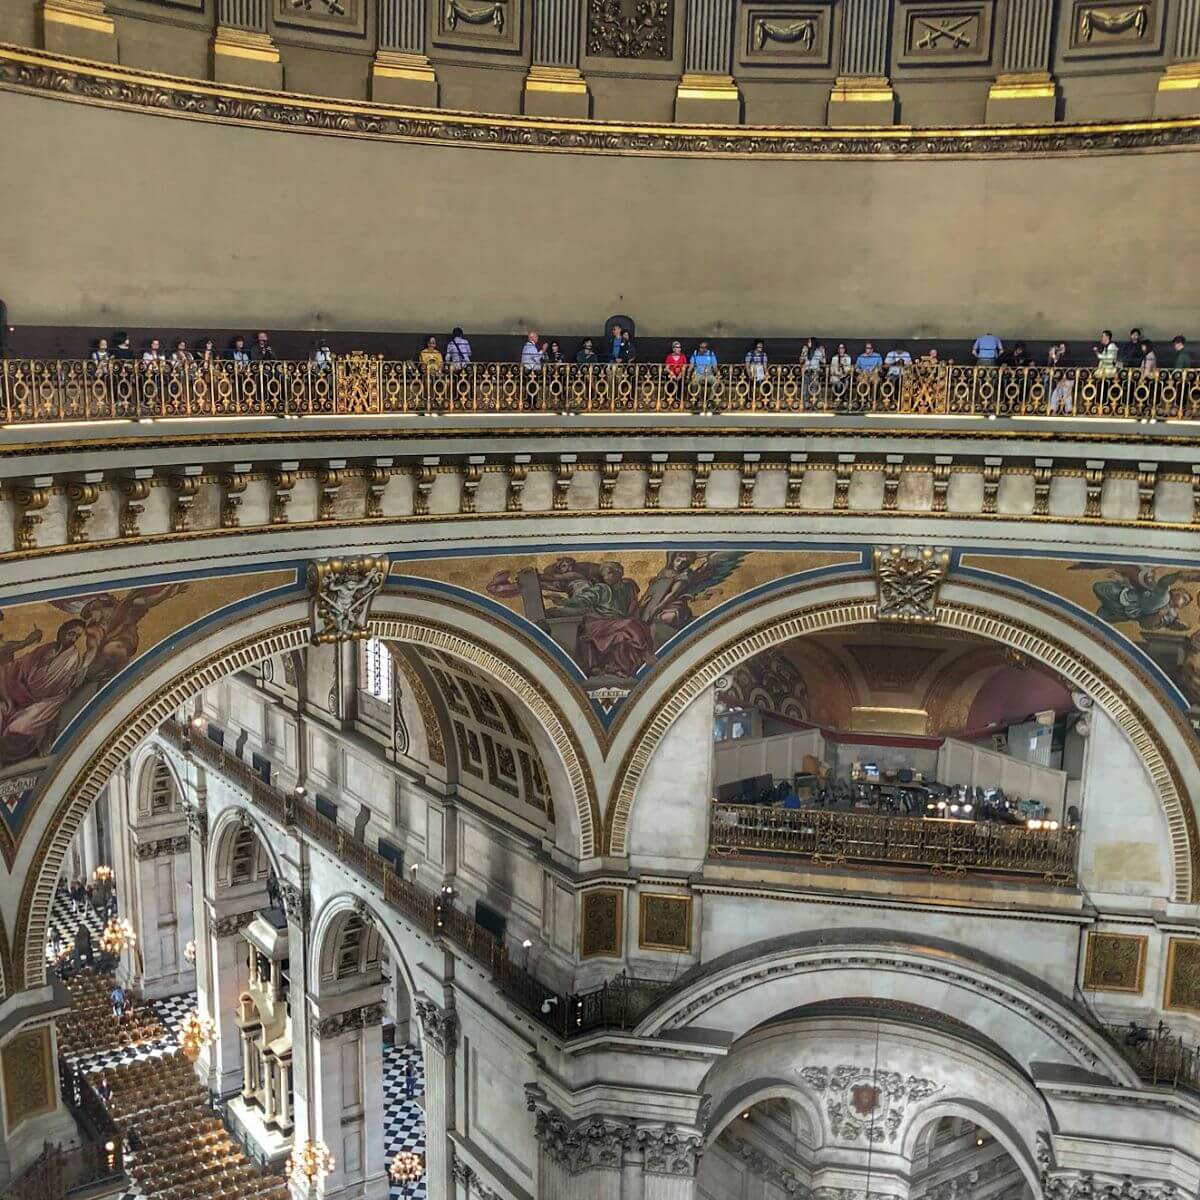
(942, 846)
(617, 1004)
(36, 391)
(1160, 1057)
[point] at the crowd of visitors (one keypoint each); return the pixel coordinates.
(618, 348)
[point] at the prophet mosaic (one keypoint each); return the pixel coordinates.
(1154, 605)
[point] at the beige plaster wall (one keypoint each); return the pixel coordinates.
(141, 219)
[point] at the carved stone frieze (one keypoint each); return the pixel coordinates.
(595, 1142)
(440, 1025)
(909, 578)
(667, 1151)
(1086, 1185)
(297, 903)
(162, 847)
(346, 1022)
(474, 1186)
(866, 1105)
(630, 28)
(227, 926)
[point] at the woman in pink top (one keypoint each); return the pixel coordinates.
(676, 361)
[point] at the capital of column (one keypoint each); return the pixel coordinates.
(440, 1025)
(297, 904)
(197, 823)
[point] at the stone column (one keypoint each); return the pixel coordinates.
(439, 1027)
(1179, 88)
(401, 72)
(707, 92)
(227, 952)
(1025, 91)
(862, 93)
(554, 86)
(243, 50)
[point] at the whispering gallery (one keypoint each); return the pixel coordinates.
(599, 600)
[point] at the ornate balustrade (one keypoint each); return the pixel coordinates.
(616, 1004)
(944, 847)
(36, 391)
(1160, 1057)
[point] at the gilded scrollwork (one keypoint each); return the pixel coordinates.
(909, 578)
(342, 591)
(620, 30)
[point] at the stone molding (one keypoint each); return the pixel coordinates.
(108, 85)
(866, 1105)
(227, 926)
(440, 1025)
(349, 1021)
(163, 847)
(471, 1182)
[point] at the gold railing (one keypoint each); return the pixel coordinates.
(944, 847)
(34, 391)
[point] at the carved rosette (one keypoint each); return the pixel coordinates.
(297, 904)
(865, 1105)
(349, 1021)
(342, 591)
(909, 579)
(440, 1025)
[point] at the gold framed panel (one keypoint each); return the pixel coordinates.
(1115, 962)
(25, 1062)
(665, 922)
(601, 913)
(1182, 991)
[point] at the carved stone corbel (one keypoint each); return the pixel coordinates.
(516, 481)
(797, 466)
(563, 475)
(342, 591)
(843, 473)
(1093, 482)
(748, 479)
(82, 495)
(1043, 477)
(909, 579)
(1196, 495)
(609, 475)
(993, 468)
(942, 466)
(185, 486)
(135, 490)
(329, 480)
(1147, 483)
(893, 464)
(700, 474)
(654, 480)
(440, 1025)
(233, 485)
(377, 476)
(297, 904)
(29, 499)
(283, 481)
(472, 477)
(423, 483)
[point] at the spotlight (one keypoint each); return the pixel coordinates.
(968, 808)
(979, 1140)
(941, 806)
(300, 791)
(526, 944)
(197, 722)
(1052, 825)
(413, 870)
(549, 1003)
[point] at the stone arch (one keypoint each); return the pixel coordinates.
(738, 1101)
(150, 772)
(1016, 1013)
(328, 921)
(222, 837)
(86, 766)
(972, 609)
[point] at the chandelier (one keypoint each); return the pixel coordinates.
(189, 952)
(118, 935)
(195, 1033)
(407, 1167)
(102, 875)
(310, 1163)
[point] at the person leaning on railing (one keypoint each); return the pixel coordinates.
(458, 349)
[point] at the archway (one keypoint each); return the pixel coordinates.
(1157, 732)
(152, 698)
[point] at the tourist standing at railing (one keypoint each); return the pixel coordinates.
(896, 360)
(182, 360)
(1149, 363)
(756, 361)
(1183, 356)
(458, 349)
(614, 344)
(1130, 353)
(532, 354)
(263, 350)
(840, 369)
(123, 351)
(627, 351)
(1060, 383)
(585, 356)
(238, 354)
(1018, 356)
(5, 330)
(153, 355)
(323, 356)
(703, 361)
(430, 357)
(676, 361)
(208, 353)
(554, 355)
(869, 361)
(1106, 355)
(987, 350)
(100, 357)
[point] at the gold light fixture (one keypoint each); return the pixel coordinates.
(189, 952)
(195, 1033)
(118, 936)
(102, 875)
(309, 1163)
(407, 1167)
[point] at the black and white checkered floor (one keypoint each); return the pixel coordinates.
(403, 1118)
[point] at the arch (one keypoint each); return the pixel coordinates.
(333, 911)
(1015, 1013)
(741, 1099)
(79, 774)
(154, 773)
(735, 640)
(223, 835)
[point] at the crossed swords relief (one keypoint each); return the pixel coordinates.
(948, 29)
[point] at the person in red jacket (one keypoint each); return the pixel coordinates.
(676, 361)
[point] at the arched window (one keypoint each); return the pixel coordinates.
(247, 861)
(162, 788)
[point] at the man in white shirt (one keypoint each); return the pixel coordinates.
(154, 356)
(896, 361)
(532, 353)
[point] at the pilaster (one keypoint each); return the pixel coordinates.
(1025, 91)
(707, 93)
(243, 50)
(79, 27)
(554, 86)
(862, 93)
(439, 1028)
(401, 72)
(1179, 88)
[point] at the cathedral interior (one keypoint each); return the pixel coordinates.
(647, 746)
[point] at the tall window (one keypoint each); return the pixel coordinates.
(375, 670)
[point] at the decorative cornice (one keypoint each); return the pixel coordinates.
(347, 1022)
(440, 1025)
(39, 72)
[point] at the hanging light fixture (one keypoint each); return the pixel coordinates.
(309, 1163)
(195, 1033)
(407, 1167)
(118, 936)
(102, 875)
(189, 952)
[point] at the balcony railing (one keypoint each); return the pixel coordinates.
(615, 1005)
(1160, 1057)
(36, 391)
(944, 847)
